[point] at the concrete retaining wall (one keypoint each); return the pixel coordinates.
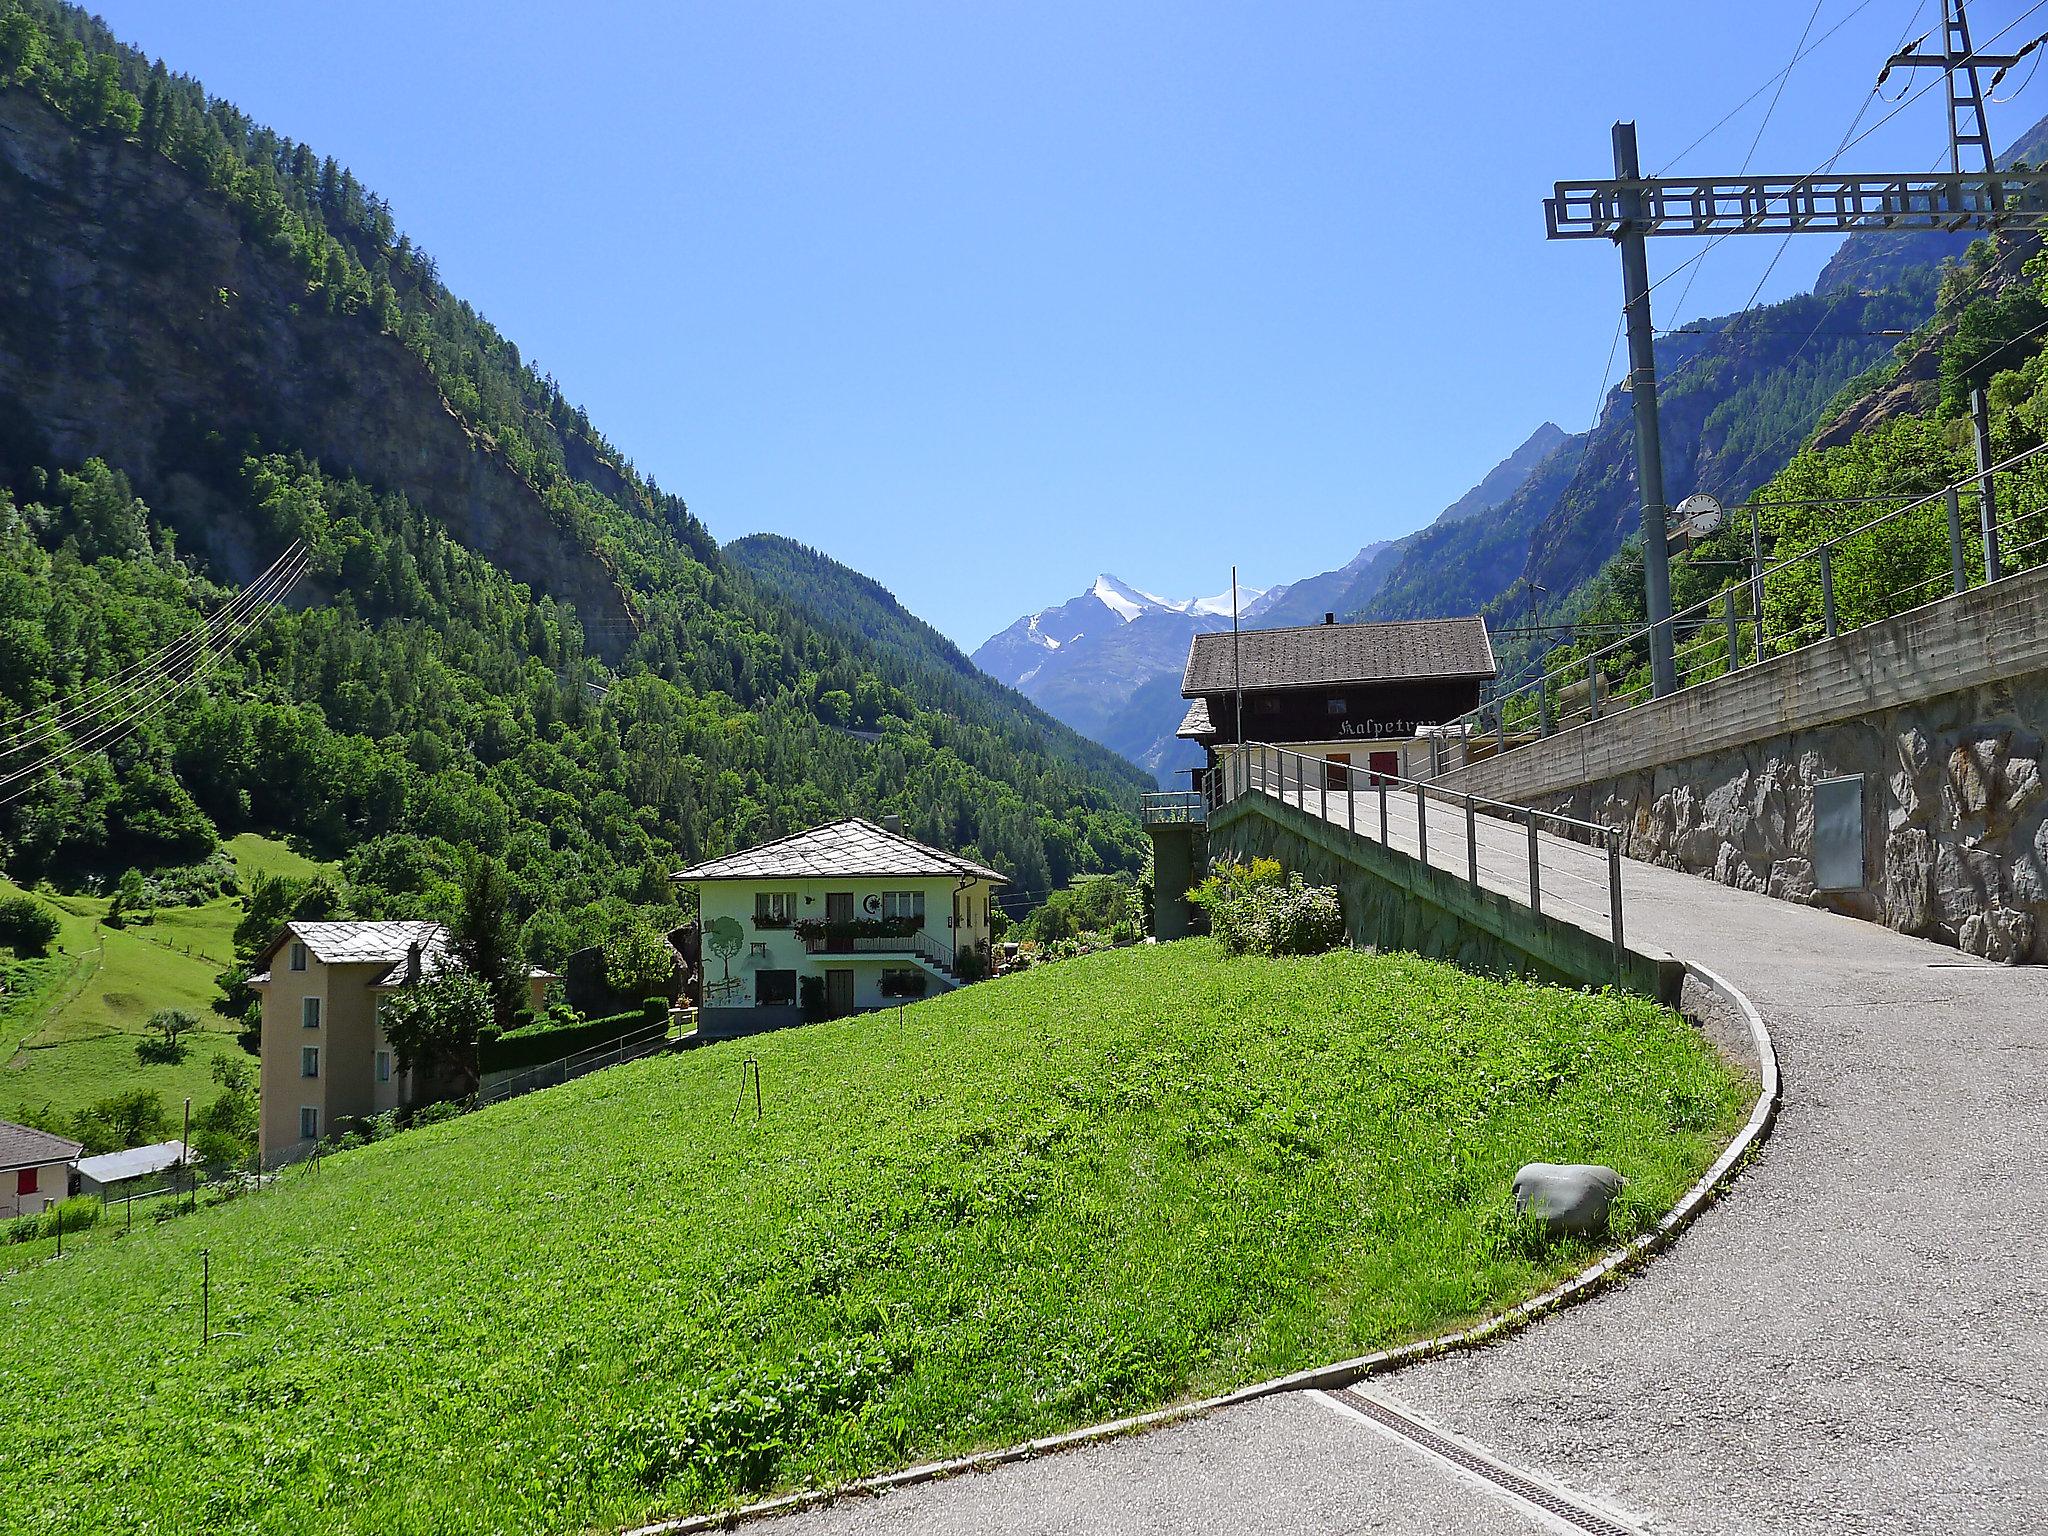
(1941, 712)
(1391, 901)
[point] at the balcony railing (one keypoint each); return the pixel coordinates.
(1174, 808)
(922, 945)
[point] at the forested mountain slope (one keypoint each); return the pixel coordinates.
(1738, 395)
(214, 342)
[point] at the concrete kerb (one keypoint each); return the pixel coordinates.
(1343, 1373)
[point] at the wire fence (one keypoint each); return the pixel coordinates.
(1977, 530)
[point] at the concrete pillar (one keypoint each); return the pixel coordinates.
(1180, 852)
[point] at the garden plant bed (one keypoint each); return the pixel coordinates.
(1058, 1197)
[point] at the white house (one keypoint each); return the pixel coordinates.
(854, 914)
(36, 1168)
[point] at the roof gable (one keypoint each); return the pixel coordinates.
(845, 850)
(1322, 655)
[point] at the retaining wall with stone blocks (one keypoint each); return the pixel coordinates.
(1941, 712)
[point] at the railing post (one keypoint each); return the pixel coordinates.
(1958, 562)
(1535, 869)
(1827, 590)
(1544, 724)
(1734, 629)
(1471, 844)
(1987, 501)
(1592, 692)
(1383, 812)
(1501, 728)
(1350, 803)
(1421, 824)
(1325, 776)
(1614, 900)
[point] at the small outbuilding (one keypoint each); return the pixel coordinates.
(110, 1173)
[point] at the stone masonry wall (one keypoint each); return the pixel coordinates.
(1955, 816)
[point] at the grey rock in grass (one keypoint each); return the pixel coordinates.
(1568, 1198)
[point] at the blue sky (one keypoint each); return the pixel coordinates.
(984, 298)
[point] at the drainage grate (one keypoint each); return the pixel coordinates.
(1554, 1502)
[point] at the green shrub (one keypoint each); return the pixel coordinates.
(638, 961)
(73, 1215)
(27, 926)
(1253, 910)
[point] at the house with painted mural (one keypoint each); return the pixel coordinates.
(840, 919)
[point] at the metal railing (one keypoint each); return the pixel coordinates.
(1316, 784)
(920, 944)
(1173, 808)
(1900, 560)
(644, 1042)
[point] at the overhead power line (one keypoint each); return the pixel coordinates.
(155, 695)
(102, 690)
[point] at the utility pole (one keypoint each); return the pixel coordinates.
(1642, 384)
(1632, 207)
(1236, 661)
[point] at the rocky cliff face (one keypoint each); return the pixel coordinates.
(139, 323)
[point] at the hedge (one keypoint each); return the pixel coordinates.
(537, 1044)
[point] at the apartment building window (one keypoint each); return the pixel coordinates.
(383, 1066)
(298, 957)
(309, 1061)
(309, 1122)
(309, 1012)
(774, 909)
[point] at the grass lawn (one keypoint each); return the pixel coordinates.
(69, 1023)
(1089, 1189)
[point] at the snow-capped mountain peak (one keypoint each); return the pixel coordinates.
(1128, 602)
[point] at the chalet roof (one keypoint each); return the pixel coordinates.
(1319, 655)
(23, 1146)
(1194, 725)
(848, 849)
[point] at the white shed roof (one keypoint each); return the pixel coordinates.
(133, 1163)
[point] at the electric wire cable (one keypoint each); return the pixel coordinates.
(192, 642)
(162, 694)
(111, 682)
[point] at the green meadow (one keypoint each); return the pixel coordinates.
(70, 1022)
(1093, 1188)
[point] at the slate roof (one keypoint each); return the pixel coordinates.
(133, 1163)
(1194, 725)
(842, 850)
(363, 943)
(24, 1147)
(1318, 655)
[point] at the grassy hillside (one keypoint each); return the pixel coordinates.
(1092, 1188)
(69, 1023)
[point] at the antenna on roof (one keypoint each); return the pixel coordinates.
(1236, 658)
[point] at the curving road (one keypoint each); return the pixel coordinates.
(1854, 1339)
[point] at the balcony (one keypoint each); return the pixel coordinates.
(1173, 808)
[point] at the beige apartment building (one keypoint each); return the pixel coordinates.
(326, 1061)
